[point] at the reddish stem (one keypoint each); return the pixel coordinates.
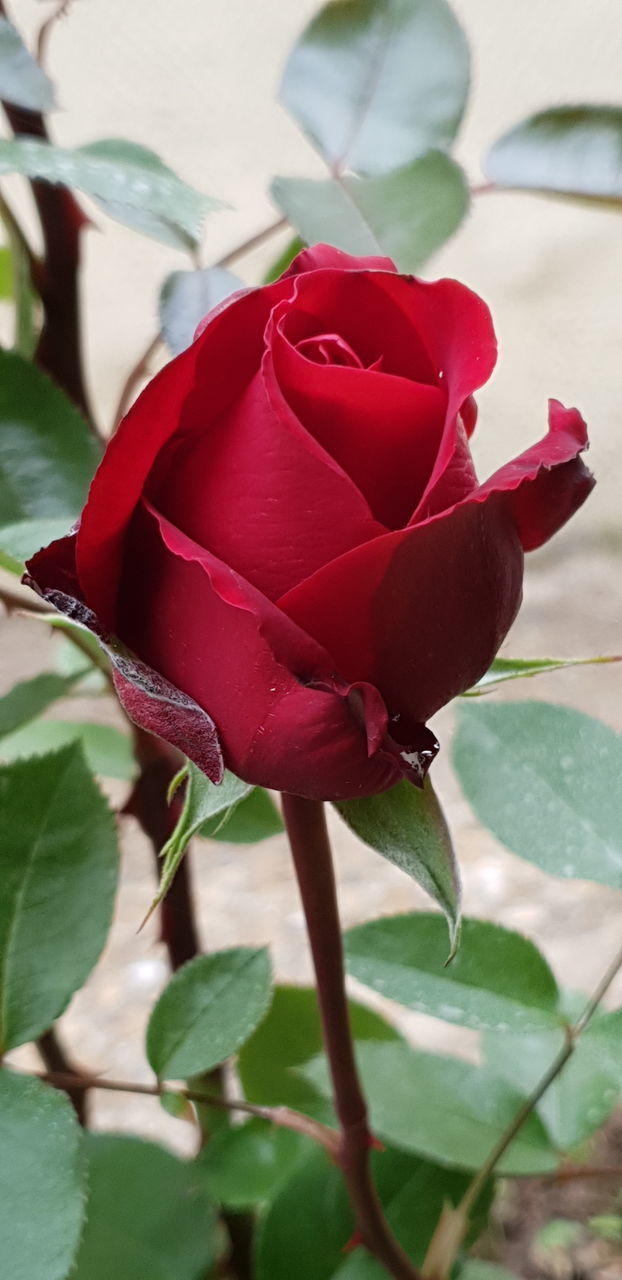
(306, 827)
(58, 1065)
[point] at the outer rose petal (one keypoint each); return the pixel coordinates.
(224, 360)
(421, 612)
(325, 255)
(281, 716)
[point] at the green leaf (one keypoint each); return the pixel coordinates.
(289, 1035)
(42, 1185)
(107, 751)
(407, 826)
(406, 214)
(497, 980)
(186, 297)
(47, 454)
(374, 83)
(245, 1165)
(128, 181)
(570, 150)
(209, 1008)
(545, 780)
(148, 1216)
(503, 669)
(474, 1269)
(58, 869)
(254, 818)
(22, 80)
(284, 260)
(29, 698)
(20, 541)
(585, 1093)
(203, 800)
(6, 274)
(445, 1109)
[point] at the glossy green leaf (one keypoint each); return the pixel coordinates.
(148, 1215)
(186, 297)
(244, 1165)
(58, 869)
(406, 214)
(22, 80)
(503, 669)
(29, 698)
(498, 979)
(570, 150)
(20, 541)
(545, 780)
(407, 826)
(289, 1035)
(47, 454)
(583, 1096)
(209, 1008)
(128, 181)
(42, 1180)
(107, 751)
(445, 1109)
(374, 83)
(254, 818)
(203, 801)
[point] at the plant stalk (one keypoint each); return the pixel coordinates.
(306, 827)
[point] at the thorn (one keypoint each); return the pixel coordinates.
(353, 1243)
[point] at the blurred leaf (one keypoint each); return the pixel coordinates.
(245, 1165)
(20, 541)
(22, 80)
(148, 1214)
(284, 260)
(545, 780)
(107, 751)
(571, 150)
(374, 83)
(203, 800)
(585, 1093)
(254, 818)
(407, 826)
(503, 669)
(26, 302)
(47, 454)
(498, 978)
(58, 868)
(29, 698)
(6, 274)
(42, 1184)
(463, 1109)
(209, 1008)
(405, 214)
(186, 297)
(128, 181)
(289, 1035)
(475, 1269)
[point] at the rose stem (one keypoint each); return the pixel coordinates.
(159, 764)
(306, 827)
(57, 1064)
(59, 350)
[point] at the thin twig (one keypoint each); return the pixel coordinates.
(56, 1061)
(61, 11)
(138, 373)
(254, 242)
(306, 826)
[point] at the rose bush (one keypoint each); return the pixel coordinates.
(288, 538)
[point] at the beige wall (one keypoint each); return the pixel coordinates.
(196, 80)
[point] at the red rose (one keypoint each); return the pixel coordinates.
(288, 534)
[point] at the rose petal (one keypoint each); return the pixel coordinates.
(261, 493)
(258, 674)
(325, 255)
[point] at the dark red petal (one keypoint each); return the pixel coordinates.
(217, 638)
(549, 482)
(325, 255)
(149, 699)
(382, 429)
(189, 394)
(421, 612)
(261, 493)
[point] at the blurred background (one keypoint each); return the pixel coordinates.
(197, 82)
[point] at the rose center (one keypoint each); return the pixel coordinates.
(329, 348)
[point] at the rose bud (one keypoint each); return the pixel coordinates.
(286, 548)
